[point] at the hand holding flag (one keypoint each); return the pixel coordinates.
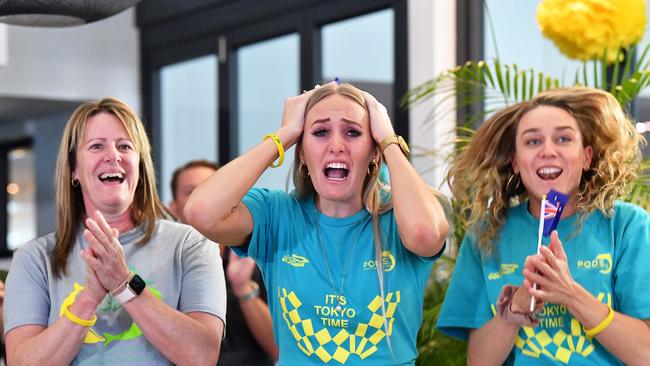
(550, 212)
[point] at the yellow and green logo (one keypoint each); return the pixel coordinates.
(387, 261)
(602, 262)
(505, 269)
(295, 260)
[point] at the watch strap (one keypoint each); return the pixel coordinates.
(133, 288)
(395, 139)
(125, 295)
(252, 293)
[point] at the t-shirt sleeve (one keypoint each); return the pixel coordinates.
(27, 299)
(203, 287)
(392, 233)
(632, 272)
(466, 305)
(261, 204)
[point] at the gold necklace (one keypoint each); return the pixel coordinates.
(327, 265)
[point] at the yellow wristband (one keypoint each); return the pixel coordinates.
(590, 333)
(77, 320)
(278, 144)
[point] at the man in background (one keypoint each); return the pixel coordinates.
(249, 329)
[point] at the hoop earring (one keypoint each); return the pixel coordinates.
(373, 168)
(517, 186)
(302, 172)
(75, 182)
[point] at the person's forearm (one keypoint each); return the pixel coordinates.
(627, 338)
(185, 339)
(420, 217)
(218, 197)
(260, 324)
(57, 344)
(492, 343)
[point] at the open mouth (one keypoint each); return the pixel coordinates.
(336, 171)
(549, 173)
(113, 177)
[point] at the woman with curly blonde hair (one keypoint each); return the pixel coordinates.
(593, 299)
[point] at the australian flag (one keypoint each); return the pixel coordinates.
(553, 206)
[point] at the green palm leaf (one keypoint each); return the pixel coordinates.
(475, 82)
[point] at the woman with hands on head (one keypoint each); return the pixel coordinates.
(117, 283)
(591, 286)
(345, 271)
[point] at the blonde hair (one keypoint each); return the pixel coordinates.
(70, 210)
(483, 182)
(302, 182)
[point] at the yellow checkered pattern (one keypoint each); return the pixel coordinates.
(561, 346)
(339, 347)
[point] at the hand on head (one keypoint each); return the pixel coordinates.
(380, 125)
(104, 255)
(293, 115)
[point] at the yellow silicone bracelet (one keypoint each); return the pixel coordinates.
(77, 320)
(590, 333)
(278, 144)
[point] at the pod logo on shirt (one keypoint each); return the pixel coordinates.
(387, 261)
(602, 263)
(295, 260)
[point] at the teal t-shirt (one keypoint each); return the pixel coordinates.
(610, 258)
(302, 293)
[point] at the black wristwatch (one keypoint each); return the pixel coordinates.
(133, 288)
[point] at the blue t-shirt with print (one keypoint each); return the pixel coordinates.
(305, 275)
(609, 258)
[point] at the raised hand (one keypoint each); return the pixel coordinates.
(380, 125)
(550, 270)
(293, 115)
(521, 301)
(108, 261)
(239, 272)
(93, 288)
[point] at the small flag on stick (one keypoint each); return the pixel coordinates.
(553, 206)
(551, 210)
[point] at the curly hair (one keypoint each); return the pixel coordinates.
(485, 185)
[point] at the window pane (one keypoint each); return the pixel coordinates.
(367, 55)
(21, 204)
(268, 72)
(189, 115)
(360, 50)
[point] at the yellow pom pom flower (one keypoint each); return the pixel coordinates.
(584, 29)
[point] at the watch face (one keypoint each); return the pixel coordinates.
(137, 284)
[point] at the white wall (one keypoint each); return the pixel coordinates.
(74, 63)
(432, 49)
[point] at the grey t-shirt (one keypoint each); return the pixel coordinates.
(178, 265)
